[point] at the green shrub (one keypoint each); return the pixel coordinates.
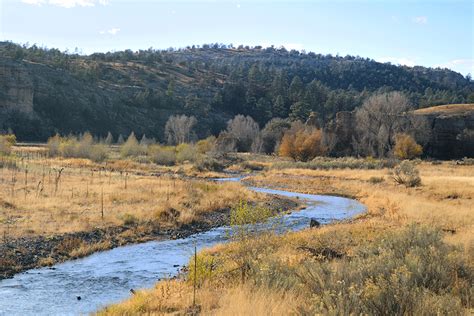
(243, 214)
(323, 163)
(408, 272)
(131, 148)
(53, 145)
(72, 147)
(407, 174)
(6, 143)
(98, 153)
(162, 155)
(186, 152)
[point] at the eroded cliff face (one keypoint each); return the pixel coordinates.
(16, 87)
(450, 132)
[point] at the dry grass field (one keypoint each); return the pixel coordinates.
(411, 253)
(57, 196)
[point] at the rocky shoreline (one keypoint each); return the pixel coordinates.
(24, 253)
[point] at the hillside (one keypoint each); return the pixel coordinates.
(47, 91)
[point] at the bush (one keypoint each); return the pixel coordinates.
(324, 163)
(98, 153)
(207, 145)
(186, 152)
(406, 147)
(407, 174)
(131, 148)
(208, 164)
(302, 143)
(406, 272)
(130, 220)
(162, 155)
(71, 147)
(53, 145)
(6, 143)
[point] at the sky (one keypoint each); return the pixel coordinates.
(437, 33)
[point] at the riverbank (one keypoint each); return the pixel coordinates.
(23, 253)
(412, 252)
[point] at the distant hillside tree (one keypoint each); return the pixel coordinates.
(179, 129)
(244, 130)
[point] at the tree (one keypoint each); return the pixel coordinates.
(279, 107)
(131, 147)
(406, 147)
(272, 133)
(109, 139)
(296, 89)
(244, 130)
(378, 120)
(299, 111)
(179, 129)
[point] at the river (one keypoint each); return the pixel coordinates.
(107, 277)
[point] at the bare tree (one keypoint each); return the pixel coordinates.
(179, 129)
(244, 130)
(378, 120)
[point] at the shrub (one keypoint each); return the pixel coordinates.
(131, 148)
(6, 142)
(243, 218)
(71, 147)
(302, 143)
(162, 155)
(186, 152)
(98, 153)
(375, 180)
(406, 147)
(208, 164)
(407, 174)
(130, 220)
(324, 163)
(206, 145)
(53, 145)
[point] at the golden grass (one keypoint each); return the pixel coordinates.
(35, 200)
(444, 200)
(447, 109)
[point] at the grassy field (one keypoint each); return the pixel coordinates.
(411, 253)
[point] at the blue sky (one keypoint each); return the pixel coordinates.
(428, 33)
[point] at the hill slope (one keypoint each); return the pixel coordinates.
(46, 91)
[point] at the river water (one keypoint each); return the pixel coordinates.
(107, 277)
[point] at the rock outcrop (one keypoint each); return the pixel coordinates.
(450, 132)
(16, 87)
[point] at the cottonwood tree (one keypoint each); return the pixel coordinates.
(244, 130)
(179, 129)
(380, 118)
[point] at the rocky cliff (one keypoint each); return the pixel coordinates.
(16, 87)
(450, 132)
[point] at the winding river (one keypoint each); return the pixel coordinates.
(107, 277)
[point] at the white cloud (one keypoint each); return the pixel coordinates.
(112, 31)
(68, 3)
(463, 66)
(420, 19)
(34, 2)
(398, 61)
(296, 46)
